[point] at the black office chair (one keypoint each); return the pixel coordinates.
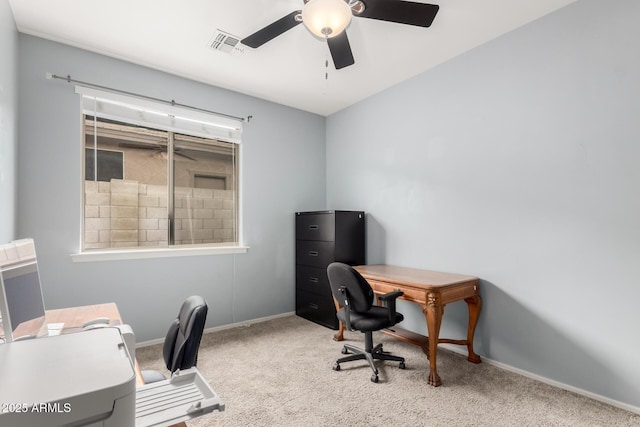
(355, 296)
(181, 345)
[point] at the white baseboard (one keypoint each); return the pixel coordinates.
(243, 324)
(594, 396)
(247, 323)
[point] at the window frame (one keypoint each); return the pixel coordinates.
(229, 131)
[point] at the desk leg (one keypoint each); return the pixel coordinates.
(433, 313)
(474, 304)
(338, 336)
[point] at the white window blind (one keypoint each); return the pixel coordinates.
(143, 112)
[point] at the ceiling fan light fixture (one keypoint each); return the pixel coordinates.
(326, 18)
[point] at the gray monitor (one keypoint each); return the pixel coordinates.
(21, 302)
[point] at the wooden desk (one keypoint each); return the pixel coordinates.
(432, 291)
(74, 317)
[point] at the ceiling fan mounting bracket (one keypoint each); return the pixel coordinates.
(356, 6)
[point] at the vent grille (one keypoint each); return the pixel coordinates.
(225, 42)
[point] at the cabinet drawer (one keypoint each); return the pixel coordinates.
(313, 279)
(315, 226)
(317, 308)
(314, 253)
(415, 295)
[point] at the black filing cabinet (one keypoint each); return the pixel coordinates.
(322, 238)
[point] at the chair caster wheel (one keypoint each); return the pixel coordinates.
(374, 378)
(402, 365)
(336, 367)
(344, 350)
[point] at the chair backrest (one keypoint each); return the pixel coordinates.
(183, 338)
(358, 289)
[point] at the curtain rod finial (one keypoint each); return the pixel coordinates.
(48, 76)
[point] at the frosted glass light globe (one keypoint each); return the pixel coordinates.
(326, 18)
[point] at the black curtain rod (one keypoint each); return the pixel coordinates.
(68, 79)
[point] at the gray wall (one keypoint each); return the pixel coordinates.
(148, 292)
(515, 162)
(518, 163)
(8, 121)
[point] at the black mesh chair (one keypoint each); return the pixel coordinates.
(355, 296)
(181, 345)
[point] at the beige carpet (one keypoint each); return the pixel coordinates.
(278, 373)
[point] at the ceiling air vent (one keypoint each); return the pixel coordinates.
(225, 42)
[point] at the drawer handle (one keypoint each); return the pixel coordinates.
(313, 227)
(313, 279)
(313, 253)
(314, 306)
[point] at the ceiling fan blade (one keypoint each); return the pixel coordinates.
(402, 12)
(340, 50)
(272, 31)
(142, 145)
(177, 153)
(156, 147)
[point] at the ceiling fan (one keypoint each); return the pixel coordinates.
(158, 148)
(329, 18)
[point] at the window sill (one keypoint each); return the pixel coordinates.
(127, 254)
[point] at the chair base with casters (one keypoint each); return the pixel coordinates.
(370, 353)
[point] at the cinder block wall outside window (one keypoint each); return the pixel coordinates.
(124, 213)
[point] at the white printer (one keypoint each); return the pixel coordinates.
(88, 379)
(76, 379)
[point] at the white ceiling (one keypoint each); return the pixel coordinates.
(174, 36)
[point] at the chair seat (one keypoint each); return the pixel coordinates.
(373, 320)
(152, 376)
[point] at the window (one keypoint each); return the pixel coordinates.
(208, 181)
(157, 175)
(103, 165)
